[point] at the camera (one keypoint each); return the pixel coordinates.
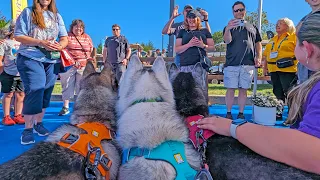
(199, 11)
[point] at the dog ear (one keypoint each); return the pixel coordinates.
(159, 66)
(107, 69)
(89, 69)
(173, 71)
(197, 70)
(134, 65)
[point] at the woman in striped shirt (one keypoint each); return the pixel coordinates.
(80, 47)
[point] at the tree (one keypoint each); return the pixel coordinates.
(99, 49)
(218, 38)
(266, 25)
(147, 46)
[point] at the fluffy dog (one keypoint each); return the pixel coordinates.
(227, 157)
(147, 124)
(47, 160)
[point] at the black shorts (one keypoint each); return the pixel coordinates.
(10, 83)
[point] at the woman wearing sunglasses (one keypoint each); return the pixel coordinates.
(192, 44)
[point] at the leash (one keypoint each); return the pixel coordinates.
(201, 148)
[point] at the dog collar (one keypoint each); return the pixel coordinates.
(157, 99)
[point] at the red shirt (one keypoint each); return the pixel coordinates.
(75, 49)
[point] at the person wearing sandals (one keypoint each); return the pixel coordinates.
(192, 44)
(41, 31)
(80, 47)
(10, 79)
(280, 49)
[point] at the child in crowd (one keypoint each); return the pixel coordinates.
(10, 78)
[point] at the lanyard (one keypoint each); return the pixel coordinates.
(286, 38)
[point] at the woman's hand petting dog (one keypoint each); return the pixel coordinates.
(216, 124)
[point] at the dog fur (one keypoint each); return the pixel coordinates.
(47, 160)
(149, 124)
(227, 157)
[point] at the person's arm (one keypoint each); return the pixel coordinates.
(208, 26)
(179, 48)
(1, 64)
(258, 54)
(288, 146)
(206, 18)
(167, 28)
(227, 36)
(104, 56)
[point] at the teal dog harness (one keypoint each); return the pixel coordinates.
(172, 152)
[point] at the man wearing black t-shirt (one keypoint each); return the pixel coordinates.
(244, 53)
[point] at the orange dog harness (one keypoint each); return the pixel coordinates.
(89, 146)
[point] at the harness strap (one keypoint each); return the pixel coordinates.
(172, 152)
(89, 146)
(294, 58)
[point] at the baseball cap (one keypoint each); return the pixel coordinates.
(188, 6)
(193, 14)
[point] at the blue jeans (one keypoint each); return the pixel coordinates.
(38, 79)
(177, 60)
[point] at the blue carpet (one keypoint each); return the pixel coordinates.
(10, 135)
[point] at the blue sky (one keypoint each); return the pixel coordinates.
(143, 20)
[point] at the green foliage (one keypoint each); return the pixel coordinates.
(99, 49)
(147, 46)
(3, 21)
(217, 37)
(266, 25)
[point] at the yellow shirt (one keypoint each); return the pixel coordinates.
(285, 46)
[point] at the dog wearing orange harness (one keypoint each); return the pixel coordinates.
(83, 149)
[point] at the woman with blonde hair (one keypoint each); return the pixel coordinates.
(280, 60)
(192, 44)
(298, 146)
(38, 29)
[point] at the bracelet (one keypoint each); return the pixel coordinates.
(206, 20)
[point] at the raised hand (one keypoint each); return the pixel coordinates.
(175, 12)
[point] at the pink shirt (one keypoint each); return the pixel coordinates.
(75, 49)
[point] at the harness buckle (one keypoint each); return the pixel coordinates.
(105, 162)
(91, 168)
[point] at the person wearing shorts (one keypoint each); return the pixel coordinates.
(10, 79)
(244, 53)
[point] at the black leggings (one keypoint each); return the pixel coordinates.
(282, 83)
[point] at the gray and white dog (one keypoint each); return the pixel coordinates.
(227, 157)
(47, 160)
(148, 124)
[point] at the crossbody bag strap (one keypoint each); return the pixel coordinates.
(81, 46)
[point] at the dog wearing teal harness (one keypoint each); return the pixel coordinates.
(172, 152)
(150, 130)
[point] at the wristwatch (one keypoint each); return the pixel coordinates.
(234, 125)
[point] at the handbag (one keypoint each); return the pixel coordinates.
(50, 54)
(66, 58)
(284, 62)
(206, 63)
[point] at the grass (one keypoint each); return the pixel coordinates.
(214, 89)
(219, 89)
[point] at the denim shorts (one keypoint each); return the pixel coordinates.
(238, 76)
(38, 79)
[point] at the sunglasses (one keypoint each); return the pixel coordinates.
(115, 29)
(239, 10)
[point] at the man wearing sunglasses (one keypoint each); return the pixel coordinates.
(117, 52)
(173, 28)
(244, 53)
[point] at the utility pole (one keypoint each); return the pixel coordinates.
(171, 38)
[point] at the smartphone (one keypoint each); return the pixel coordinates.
(241, 22)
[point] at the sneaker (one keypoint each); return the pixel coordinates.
(241, 116)
(229, 116)
(18, 119)
(64, 111)
(27, 137)
(40, 129)
(7, 121)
